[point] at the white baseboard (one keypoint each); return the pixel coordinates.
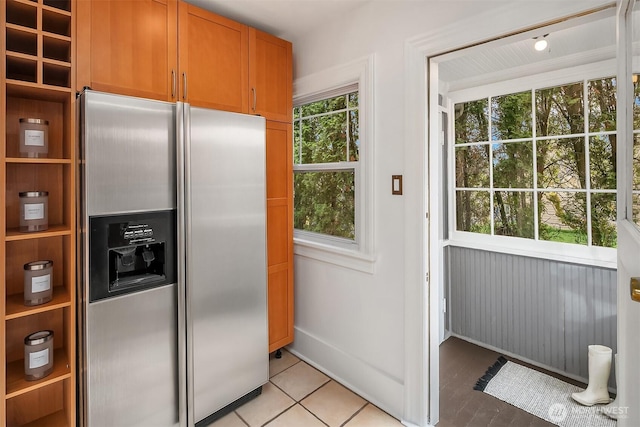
(369, 382)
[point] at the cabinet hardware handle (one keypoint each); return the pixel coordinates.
(173, 84)
(253, 89)
(184, 86)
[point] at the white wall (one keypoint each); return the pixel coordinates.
(349, 323)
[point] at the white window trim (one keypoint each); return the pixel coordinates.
(577, 254)
(564, 252)
(357, 255)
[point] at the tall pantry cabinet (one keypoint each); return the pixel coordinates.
(173, 51)
(37, 78)
(271, 96)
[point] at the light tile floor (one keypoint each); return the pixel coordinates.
(299, 395)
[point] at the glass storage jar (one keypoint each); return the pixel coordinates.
(34, 137)
(38, 277)
(38, 355)
(34, 210)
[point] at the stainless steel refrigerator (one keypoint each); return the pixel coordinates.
(172, 252)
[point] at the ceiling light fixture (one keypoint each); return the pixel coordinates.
(541, 44)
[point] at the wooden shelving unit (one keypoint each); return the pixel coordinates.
(38, 76)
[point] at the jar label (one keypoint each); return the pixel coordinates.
(38, 358)
(34, 138)
(40, 283)
(33, 211)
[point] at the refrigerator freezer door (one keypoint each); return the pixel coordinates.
(132, 360)
(130, 154)
(225, 200)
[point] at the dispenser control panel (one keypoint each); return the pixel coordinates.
(130, 234)
(131, 252)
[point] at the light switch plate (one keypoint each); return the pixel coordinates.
(396, 184)
(635, 289)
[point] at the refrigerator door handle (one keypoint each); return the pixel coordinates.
(186, 207)
(185, 392)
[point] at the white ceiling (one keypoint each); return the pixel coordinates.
(288, 19)
(569, 45)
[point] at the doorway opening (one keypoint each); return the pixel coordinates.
(526, 240)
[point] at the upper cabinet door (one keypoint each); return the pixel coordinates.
(270, 76)
(128, 47)
(213, 59)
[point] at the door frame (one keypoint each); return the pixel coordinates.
(624, 117)
(628, 233)
(423, 246)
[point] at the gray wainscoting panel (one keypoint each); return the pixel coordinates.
(543, 310)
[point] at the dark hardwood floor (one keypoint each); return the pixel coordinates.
(461, 364)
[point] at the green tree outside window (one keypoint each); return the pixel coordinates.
(326, 155)
(573, 179)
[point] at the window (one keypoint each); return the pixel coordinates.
(333, 165)
(326, 160)
(539, 164)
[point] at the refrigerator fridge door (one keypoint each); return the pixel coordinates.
(226, 290)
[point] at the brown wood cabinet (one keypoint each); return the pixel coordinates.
(37, 81)
(213, 58)
(169, 50)
(128, 47)
(270, 76)
(280, 234)
(211, 62)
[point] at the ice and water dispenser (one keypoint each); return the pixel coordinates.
(130, 253)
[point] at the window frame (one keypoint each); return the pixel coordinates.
(574, 253)
(359, 253)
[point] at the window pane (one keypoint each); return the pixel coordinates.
(561, 163)
(353, 100)
(602, 160)
(636, 208)
(472, 166)
(603, 220)
(472, 121)
(296, 113)
(324, 106)
(602, 105)
(324, 139)
(513, 165)
(354, 136)
(513, 214)
(324, 202)
(511, 116)
(562, 217)
(560, 110)
(472, 211)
